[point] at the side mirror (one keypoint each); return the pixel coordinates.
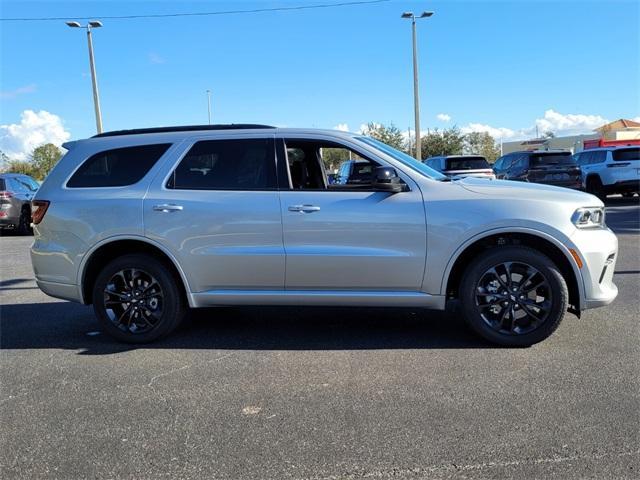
(386, 179)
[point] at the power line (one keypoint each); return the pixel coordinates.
(197, 14)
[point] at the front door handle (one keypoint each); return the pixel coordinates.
(167, 207)
(304, 208)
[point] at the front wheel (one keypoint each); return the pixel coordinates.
(595, 187)
(513, 296)
(137, 300)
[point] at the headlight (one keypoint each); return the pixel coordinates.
(588, 217)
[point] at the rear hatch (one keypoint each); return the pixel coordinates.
(554, 168)
(468, 166)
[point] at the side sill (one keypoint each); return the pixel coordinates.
(318, 298)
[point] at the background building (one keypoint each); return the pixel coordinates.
(618, 130)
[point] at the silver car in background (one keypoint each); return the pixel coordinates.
(16, 192)
(145, 223)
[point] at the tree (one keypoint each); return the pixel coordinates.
(18, 166)
(43, 159)
(442, 142)
(481, 143)
(548, 134)
(391, 135)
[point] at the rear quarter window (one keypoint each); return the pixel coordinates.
(117, 167)
(628, 154)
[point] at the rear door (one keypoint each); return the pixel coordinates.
(216, 208)
(347, 237)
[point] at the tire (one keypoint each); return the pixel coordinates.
(24, 224)
(156, 311)
(492, 316)
(594, 187)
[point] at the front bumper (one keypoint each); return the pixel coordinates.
(598, 249)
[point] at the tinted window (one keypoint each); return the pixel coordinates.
(247, 164)
(551, 158)
(598, 156)
(469, 163)
(626, 154)
(2, 184)
(117, 167)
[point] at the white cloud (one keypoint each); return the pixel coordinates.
(156, 59)
(636, 119)
(17, 140)
(560, 124)
(443, 117)
(9, 94)
(495, 132)
(343, 127)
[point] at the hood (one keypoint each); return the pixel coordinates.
(522, 190)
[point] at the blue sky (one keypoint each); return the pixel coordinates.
(491, 65)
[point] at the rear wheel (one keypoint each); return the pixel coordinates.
(513, 296)
(594, 187)
(137, 300)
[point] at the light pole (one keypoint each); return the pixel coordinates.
(94, 80)
(416, 95)
(209, 105)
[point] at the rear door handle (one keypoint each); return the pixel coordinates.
(167, 207)
(304, 208)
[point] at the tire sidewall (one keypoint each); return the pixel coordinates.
(495, 256)
(173, 305)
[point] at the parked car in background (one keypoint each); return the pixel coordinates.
(144, 223)
(610, 170)
(16, 192)
(549, 167)
(462, 166)
(354, 172)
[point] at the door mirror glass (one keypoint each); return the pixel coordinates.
(386, 179)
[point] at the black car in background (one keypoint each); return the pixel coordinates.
(550, 167)
(16, 192)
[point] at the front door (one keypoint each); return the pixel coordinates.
(217, 210)
(347, 236)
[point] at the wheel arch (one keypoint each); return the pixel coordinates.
(113, 247)
(535, 239)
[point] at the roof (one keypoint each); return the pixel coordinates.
(618, 125)
(183, 128)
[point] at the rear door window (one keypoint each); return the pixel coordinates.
(118, 167)
(242, 164)
(626, 155)
(598, 156)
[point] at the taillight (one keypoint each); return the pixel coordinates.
(6, 194)
(38, 209)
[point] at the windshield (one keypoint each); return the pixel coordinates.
(551, 159)
(405, 159)
(467, 163)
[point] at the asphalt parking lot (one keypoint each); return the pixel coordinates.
(318, 393)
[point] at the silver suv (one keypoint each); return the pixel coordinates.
(145, 223)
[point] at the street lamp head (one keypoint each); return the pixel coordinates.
(73, 24)
(95, 24)
(407, 15)
(426, 14)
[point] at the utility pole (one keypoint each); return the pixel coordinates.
(416, 93)
(92, 65)
(209, 105)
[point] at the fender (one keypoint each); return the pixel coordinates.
(139, 238)
(564, 248)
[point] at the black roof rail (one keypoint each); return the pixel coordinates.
(182, 128)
